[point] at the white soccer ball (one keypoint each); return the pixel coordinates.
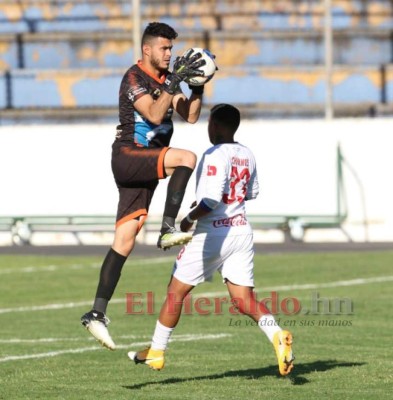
(209, 69)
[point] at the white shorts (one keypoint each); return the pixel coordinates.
(232, 256)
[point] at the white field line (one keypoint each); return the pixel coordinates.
(54, 340)
(46, 268)
(178, 338)
(53, 268)
(307, 286)
(55, 306)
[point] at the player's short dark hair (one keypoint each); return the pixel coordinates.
(158, 29)
(226, 115)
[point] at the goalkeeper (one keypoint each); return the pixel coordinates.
(141, 156)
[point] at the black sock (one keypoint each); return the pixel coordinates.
(174, 197)
(109, 276)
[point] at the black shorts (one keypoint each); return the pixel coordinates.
(136, 171)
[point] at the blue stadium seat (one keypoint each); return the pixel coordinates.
(8, 52)
(389, 84)
(74, 15)
(91, 50)
(13, 26)
(78, 25)
(275, 85)
(299, 48)
(299, 85)
(196, 23)
(65, 88)
(304, 15)
(86, 52)
(51, 10)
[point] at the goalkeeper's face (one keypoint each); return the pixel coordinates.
(160, 53)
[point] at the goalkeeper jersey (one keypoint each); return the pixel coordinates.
(226, 177)
(138, 82)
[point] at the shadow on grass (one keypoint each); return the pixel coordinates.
(296, 377)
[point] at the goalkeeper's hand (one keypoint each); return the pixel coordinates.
(185, 223)
(198, 90)
(184, 67)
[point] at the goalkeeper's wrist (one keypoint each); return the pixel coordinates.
(171, 84)
(198, 90)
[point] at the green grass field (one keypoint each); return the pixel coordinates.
(46, 354)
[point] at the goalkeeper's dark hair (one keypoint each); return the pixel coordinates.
(158, 29)
(226, 115)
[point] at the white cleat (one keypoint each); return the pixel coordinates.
(96, 323)
(173, 238)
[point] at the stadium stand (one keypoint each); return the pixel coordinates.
(69, 48)
(246, 86)
(93, 15)
(113, 49)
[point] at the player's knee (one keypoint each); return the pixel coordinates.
(124, 245)
(189, 159)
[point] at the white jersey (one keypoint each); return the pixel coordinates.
(226, 176)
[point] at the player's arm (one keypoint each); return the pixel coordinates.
(200, 211)
(253, 184)
(189, 108)
(154, 111)
(188, 65)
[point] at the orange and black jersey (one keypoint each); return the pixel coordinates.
(133, 126)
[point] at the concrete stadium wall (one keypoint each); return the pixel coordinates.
(65, 169)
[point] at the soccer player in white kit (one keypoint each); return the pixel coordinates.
(222, 241)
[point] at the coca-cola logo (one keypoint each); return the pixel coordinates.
(236, 220)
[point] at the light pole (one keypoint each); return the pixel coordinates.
(328, 38)
(136, 29)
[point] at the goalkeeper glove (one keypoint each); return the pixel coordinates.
(183, 67)
(198, 90)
